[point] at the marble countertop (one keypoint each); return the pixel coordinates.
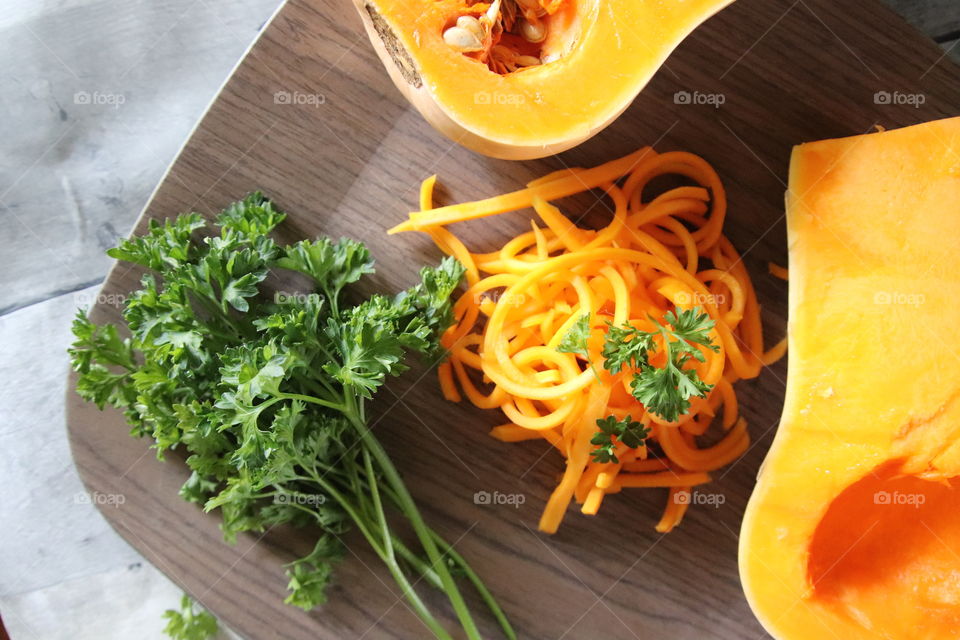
(98, 97)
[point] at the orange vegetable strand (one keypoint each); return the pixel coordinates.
(653, 256)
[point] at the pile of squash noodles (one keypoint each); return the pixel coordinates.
(653, 257)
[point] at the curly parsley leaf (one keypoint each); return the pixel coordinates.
(164, 245)
(104, 362)
(631, 433)
(332, 265)
(665, 391)
(189, 623)
(691, 325)
(576, 337)
(310, 575)
(625, 347)
(253, 217)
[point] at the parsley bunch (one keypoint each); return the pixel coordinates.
(268, 395)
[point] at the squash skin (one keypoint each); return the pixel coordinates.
(853, 529)
(539, 111)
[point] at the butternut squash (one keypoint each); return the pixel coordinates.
(853, 529)
(522, 79)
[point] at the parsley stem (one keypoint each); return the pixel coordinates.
(403, 550)
(319, 390)
(312, 400)
(379, 547)
(390, 558)
(472, 576)
(409, 508)
(481, 588)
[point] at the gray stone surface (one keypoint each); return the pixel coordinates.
(65, 574)
(51, 532)
(936, 18)
(952, 49)
(98, 97)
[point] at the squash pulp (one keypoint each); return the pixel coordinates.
(516, 99)
(853, 529)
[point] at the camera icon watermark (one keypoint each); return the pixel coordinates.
(100, 499)
(699, 299)
(715, 100)
(99, 98)
(298, 98)
(84, 300)
(498, 98)
(698, 498)
(898, 498)
(497, 498)
(914, 100)
(305, 499)
(284, 297)
(509, 299)
(899, 298)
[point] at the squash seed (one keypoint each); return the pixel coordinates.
(471, 24)
(533, 31)
(462, 39)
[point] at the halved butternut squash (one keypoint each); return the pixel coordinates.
(521, 79)
(853, 529)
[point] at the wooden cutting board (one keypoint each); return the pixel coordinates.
(310, 117)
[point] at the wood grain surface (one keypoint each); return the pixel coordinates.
(348, 164)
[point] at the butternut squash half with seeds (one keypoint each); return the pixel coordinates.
(522, 79)
(853, 529)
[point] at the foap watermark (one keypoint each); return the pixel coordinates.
(899, 98)
(100, 499)
(498, 97)
(899, 498)
(306, 499)
(299, 98)
(281, 297)
(504, 298)
(699, 299)
(497, 498)
(715, 100)
(899, 298)
(99, 98)
(85, 300)
(699, 498)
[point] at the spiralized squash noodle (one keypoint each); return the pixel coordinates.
(653, 256)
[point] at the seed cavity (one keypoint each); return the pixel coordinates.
(507, 36)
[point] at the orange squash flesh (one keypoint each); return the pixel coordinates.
(608, 50)
(853, 530)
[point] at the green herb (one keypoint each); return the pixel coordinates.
(625, 347)
(664, 391)
(693, 326)
(268, 395)
(188, 623)
(576, 337)
(627, 431)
